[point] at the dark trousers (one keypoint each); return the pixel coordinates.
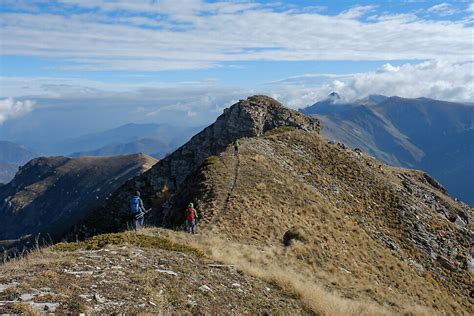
(138, 222)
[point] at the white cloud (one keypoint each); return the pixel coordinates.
(201, 101)
(171, 35)
(432, 79)
(443, 9)
(9, 108)
(357, 11)
(470, 8)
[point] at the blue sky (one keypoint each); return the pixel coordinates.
(191, 58)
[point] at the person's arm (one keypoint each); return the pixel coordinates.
(140, 205)
(195, 214)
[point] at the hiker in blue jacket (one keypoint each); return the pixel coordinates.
(138, 211)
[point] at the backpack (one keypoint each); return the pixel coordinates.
(135, 204)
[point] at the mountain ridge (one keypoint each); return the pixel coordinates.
(149, 146)
(51, 194)
(435, 136)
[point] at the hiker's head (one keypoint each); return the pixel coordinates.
(191, 205)
(137, 193)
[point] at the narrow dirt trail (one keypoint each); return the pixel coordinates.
(230, 189)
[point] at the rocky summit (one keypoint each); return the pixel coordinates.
(335, 231)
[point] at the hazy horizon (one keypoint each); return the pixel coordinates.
(71, 67)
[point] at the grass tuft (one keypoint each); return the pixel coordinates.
(211, 162)
(128, 238)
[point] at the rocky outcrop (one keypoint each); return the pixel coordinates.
(247, 118)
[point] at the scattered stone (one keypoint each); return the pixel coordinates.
(470, 264)
(49, 307)
(236, 285)
(221, 265)
(205, 288)
(26, 297)
(391, 244)
(191, 301)
(167, 272)
(99, 298)
(152, 303)
(78, 273)
(344, 270)
(3, 287)
(445, 263)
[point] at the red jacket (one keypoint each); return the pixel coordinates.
(190, 215)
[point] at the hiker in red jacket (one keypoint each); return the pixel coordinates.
(191, 218)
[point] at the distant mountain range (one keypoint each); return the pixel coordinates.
(50, 194)
(15, 154)
(11, 157)
(152, 147)
(7, 172)
(153, 138)
(435, 136)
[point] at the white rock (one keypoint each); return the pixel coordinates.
(99, 298)
(235, 285)
(205, 288)
(470, 264)
(167, 272)
(3, 287)
(192, 302)
(26, 297)
(344, 270)
(50, 307)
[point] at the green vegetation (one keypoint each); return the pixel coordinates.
(211, 162)
(129, 238)
(279, 130)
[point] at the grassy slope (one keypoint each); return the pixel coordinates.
(126, 273)
(340, 205)
(345, 206)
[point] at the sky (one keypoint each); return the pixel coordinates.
(88, 65)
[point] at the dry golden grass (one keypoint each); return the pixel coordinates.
(25, 309)
(263, 263)
(297, 179)
(127, 238)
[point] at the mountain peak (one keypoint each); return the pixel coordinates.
(258, 114)
(250, 117)
(334, 96)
